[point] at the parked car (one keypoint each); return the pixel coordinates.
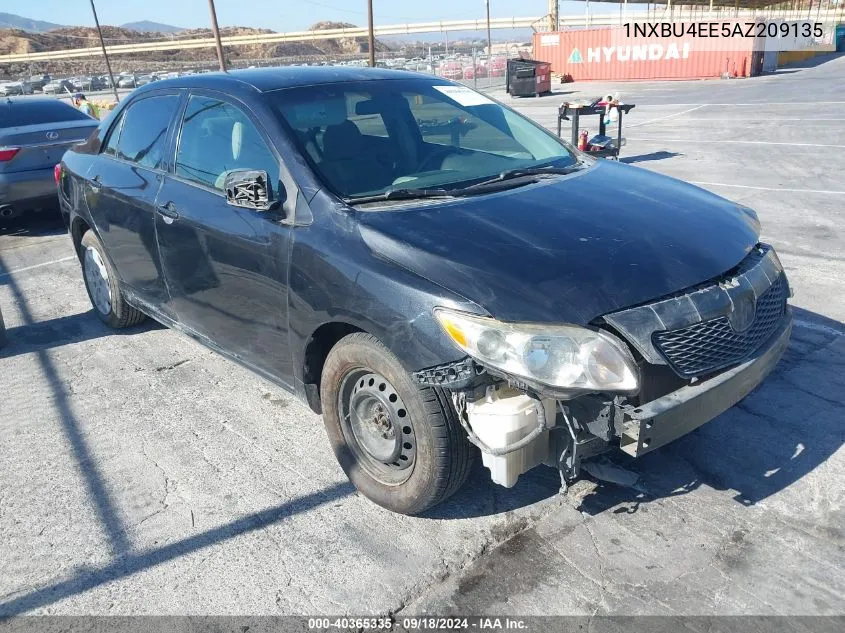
(15, 88)
(59, 86)
(143, 80)
(34, 135)
(127, 81)
(39, 81)
(88, 83)
(434, 294)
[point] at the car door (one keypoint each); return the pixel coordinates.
(226, 267)
(125, 180)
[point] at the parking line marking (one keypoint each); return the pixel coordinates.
(767, 120)
(668, 116)
(724, 184)
(733, 142)
(818, 327)
(25, 268)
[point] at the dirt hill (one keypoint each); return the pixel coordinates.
(18, 41)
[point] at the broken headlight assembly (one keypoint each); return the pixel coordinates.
(560, 356)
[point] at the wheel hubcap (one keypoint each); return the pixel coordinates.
(97, 279)
(377, 426)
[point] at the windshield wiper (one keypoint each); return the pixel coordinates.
(523, 172)
(399, 194)
(510, 174)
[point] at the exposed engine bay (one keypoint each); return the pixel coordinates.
(517, 431)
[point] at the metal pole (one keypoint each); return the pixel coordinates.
(105, 55)
(216, 30)
(489, 40)
(370, 34)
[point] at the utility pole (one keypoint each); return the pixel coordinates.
(105, 55)
(489, 40)
(370, 34)
(216, 30)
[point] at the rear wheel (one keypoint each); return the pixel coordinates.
(400, 444)
(103, 287)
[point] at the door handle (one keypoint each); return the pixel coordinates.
(168, 212)
(95, 183)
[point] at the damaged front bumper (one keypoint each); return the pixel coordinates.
(517, 429)
(665, 419)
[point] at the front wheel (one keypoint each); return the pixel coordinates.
(400, 444)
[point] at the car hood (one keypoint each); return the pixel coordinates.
(570, 249)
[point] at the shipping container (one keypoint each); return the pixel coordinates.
(608, 54)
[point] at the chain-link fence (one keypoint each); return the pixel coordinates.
(476, 70)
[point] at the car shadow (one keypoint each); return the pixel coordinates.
(64, 330)
(779, 433)
(641, 158)
(125, 559)
(42, 223)
(481, 497)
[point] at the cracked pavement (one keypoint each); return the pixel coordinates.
(143, 474)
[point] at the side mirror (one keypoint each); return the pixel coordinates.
(249, 189)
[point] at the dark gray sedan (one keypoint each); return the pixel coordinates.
(34, 133)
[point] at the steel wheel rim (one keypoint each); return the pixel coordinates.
(377, 426)
(97, 280)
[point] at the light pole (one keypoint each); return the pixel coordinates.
(216, 30)
(370, 34)
(489, 40)
(103, 46)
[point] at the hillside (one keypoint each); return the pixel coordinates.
(12, 21)
(145, 26)
(19, 41)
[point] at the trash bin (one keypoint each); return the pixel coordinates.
(528, 78)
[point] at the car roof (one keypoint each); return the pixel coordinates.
(23, 102)
(266, 79)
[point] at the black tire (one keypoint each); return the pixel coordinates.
(120, 314)
(443, 455)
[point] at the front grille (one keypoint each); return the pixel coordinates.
(705, 347)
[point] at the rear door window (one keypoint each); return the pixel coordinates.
(143, 137)
(218, 137)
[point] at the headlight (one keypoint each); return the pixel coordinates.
(564, 356)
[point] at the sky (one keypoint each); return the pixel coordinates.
(280, 15)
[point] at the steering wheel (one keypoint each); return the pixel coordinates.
(443, 153)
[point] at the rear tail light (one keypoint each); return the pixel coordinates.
(8, 153)
(57, 173)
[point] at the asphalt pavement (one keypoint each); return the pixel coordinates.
(143, 474)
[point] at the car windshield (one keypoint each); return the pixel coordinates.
(375, 137)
